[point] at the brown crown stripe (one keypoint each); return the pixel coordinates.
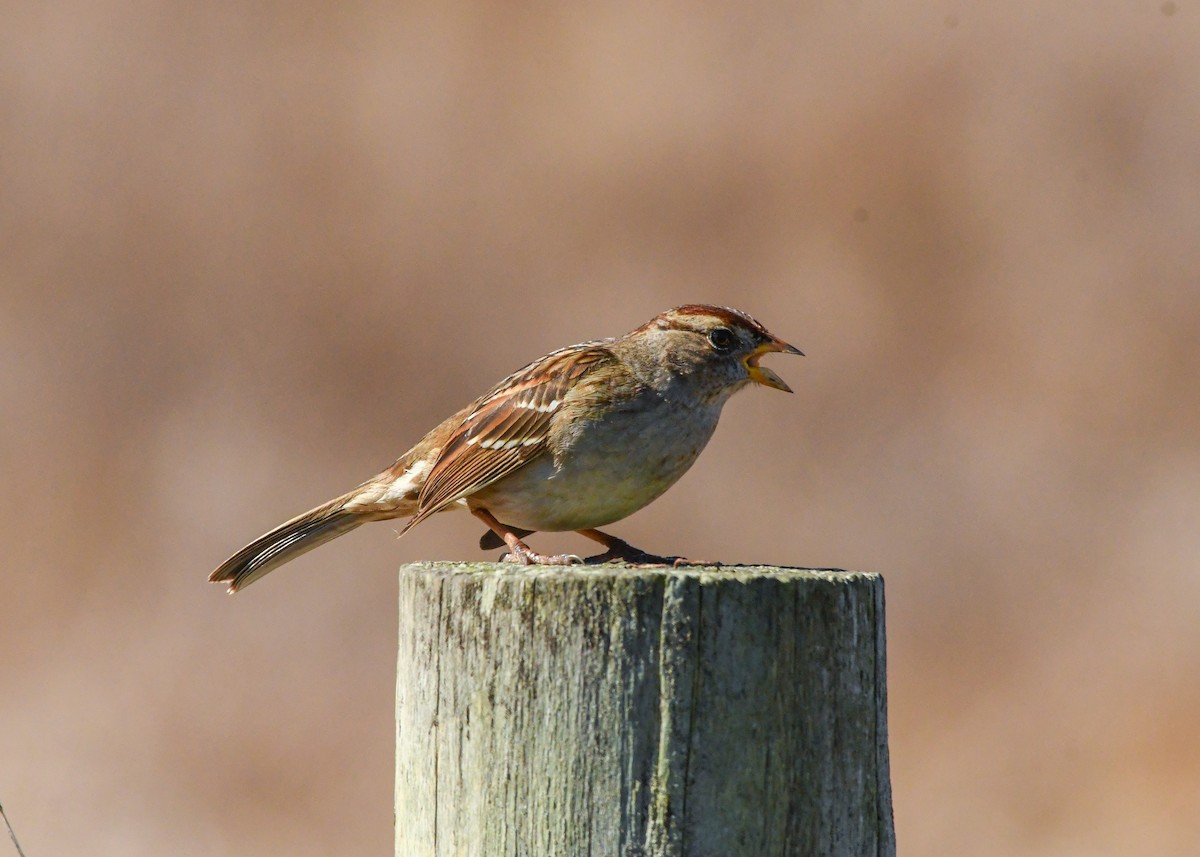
(672, 317)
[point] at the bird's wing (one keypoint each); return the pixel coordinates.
(508, 427)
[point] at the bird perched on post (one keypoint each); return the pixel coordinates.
(583, 437)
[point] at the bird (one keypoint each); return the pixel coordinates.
(579, 439)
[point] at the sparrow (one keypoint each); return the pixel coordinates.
(583, 437)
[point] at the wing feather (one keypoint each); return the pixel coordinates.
(508, 427)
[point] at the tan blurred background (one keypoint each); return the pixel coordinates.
(250, 252)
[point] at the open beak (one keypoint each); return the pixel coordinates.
(763, 375)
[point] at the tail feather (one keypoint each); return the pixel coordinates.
(286, 542)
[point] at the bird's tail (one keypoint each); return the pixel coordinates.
(287, 541)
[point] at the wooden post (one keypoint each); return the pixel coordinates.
(695, 712)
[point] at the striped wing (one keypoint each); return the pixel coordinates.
(507, 427)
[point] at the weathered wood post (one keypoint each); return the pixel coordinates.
(695, 712)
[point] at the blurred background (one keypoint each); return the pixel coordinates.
(250, 252)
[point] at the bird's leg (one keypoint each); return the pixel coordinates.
(518, 551)
(619, 549)
(490, 540)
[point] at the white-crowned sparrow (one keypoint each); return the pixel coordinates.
(585, 436)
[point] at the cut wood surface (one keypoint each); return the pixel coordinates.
(641, 712)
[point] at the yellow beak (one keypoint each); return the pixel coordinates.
(763, 375)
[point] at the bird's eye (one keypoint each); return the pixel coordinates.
(722, 339)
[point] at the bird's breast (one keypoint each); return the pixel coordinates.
(603, 470)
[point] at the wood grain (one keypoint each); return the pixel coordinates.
(641, 712)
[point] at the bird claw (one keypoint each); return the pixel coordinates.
(618, 551)
(638, 558)
(530, 557)
(621, 551)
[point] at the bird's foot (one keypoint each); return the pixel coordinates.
(620, 550)
(522, 554)
(518, 551)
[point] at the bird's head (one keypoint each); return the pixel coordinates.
(714, 347)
